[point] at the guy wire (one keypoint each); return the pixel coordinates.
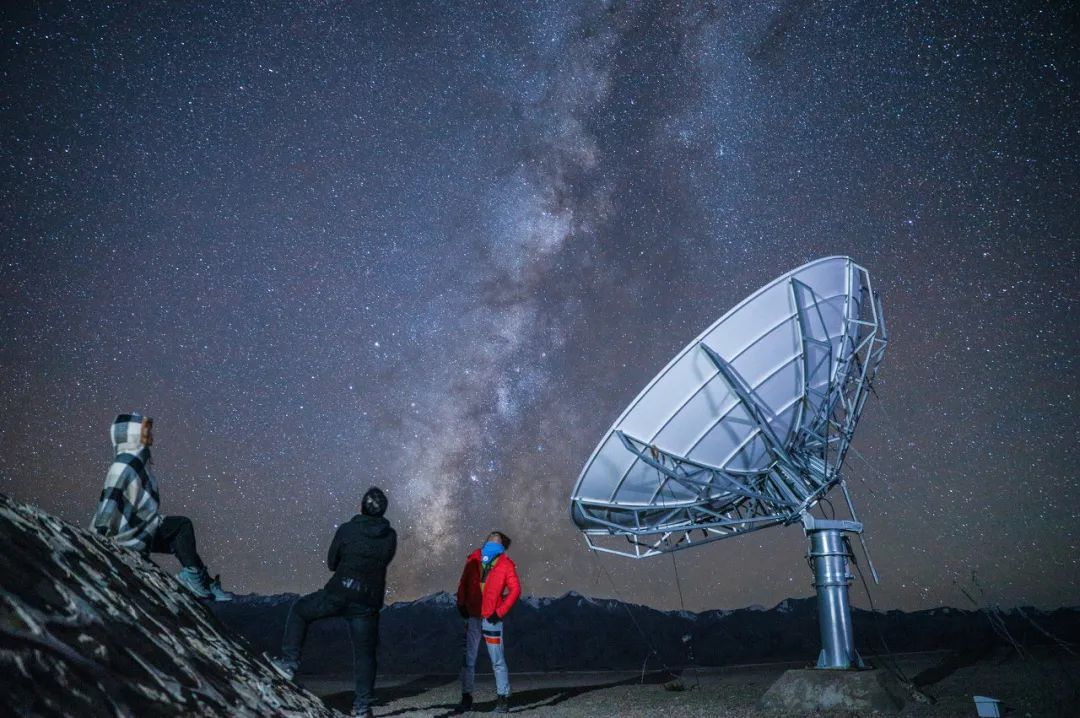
(633, 618)
(682, 602)
(891, 665)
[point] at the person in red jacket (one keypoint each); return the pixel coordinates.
(487, 591)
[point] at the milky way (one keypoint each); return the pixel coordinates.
(437, 247)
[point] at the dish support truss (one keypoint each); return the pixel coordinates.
(732, 502)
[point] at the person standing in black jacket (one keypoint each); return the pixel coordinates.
(359, 554)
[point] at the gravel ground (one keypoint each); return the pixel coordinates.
(1030, 689)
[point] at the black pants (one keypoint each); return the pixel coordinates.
(363, 624)
(176, 535)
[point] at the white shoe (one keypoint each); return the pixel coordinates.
(219, 594)
(192, 579)
(282, 668)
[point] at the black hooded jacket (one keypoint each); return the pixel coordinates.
(362, 549)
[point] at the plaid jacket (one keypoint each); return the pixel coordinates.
(128, 509)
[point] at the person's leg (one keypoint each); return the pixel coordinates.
(304, 610)
(364, 632)
(493, 638)
(176, 535)
(471, 647)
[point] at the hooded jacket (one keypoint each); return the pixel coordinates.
(361, 550)
(128, 509)
(500, 590)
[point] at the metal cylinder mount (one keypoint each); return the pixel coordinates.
(829, 555)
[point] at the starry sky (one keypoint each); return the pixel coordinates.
(438, 246)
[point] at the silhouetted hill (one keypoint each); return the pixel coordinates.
(88, 629)
(574, 632)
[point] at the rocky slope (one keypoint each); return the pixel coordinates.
(87, 629)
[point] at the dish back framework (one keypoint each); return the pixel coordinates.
(748, 426)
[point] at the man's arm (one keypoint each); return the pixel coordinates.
(334, 554)
(461, 607)
(144, 502)
(513, 590)
(110, 510)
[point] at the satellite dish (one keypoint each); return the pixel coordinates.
(746, 428)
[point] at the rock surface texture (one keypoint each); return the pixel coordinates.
(810, 691)
(90, 629)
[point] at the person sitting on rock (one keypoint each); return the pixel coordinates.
(359, 555)
(487, 591)
(128, 510)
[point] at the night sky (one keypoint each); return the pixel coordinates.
(438, 247)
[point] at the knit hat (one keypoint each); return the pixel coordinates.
(373, 503)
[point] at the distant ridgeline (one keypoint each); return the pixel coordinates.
(578, 633)
(87, 629)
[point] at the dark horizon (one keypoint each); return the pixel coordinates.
(438, 248)
(856, 592)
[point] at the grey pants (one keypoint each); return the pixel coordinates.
(492, 633)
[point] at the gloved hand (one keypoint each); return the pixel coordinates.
(464, 612)
(494, 618)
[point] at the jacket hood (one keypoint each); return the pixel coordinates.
(126, 433)
(373, 526)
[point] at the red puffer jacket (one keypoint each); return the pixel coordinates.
(501, 589)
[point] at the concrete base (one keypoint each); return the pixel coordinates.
(799, 692)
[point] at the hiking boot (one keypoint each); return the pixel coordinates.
(502, 704)
(466, 703)
(219, 594)
(193, 580)
(362, 713)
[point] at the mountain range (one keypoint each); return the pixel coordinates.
(577, 633)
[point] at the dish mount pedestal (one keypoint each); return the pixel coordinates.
(829, 554)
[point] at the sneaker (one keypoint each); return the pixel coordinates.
(466, 703)
(284, 668)
(192, 580)
(502, 704)
(218, 592)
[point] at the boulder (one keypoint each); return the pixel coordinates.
(91, 629)
(815, 691)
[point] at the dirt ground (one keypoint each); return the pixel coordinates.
(1035, 689)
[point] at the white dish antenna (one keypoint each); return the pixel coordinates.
(746, 428)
